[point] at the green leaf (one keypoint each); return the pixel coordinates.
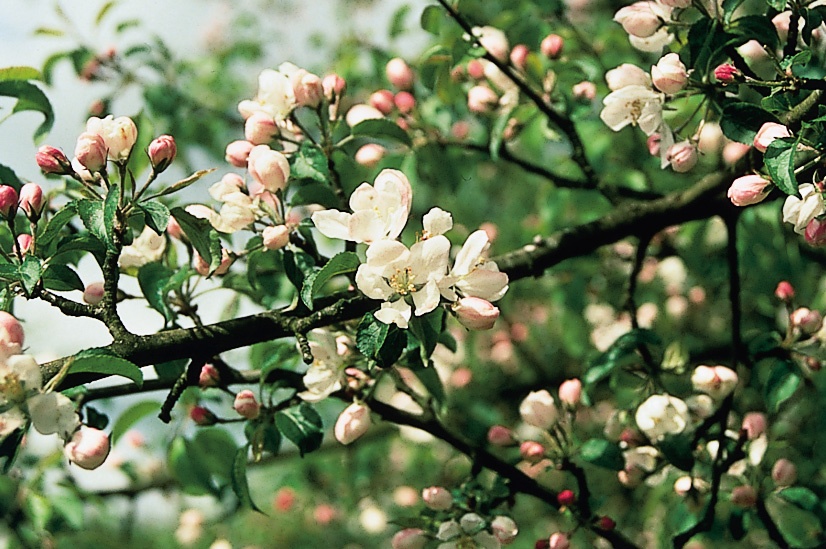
(95, 419)
(91, 213)
(186, 467)
(239, 479)
(381, 128)
(8, 177)
(203, 237)
(801, 497)
(30, 272)
(427, 329)
(740, 121)
(180, 185)
(56, 223)
(782, 383)
(397, 22)
(29, 98)
(103, 361)
(429, 377)
(62, 278)
(110, 216)
(129, 417)
(497, 133)
(678, 451)
(19, 73)
(315, 193)
(339, 264)
(156, 216)
(779, 159)
(103, 11)
(602, 453)
(298, 266)
(431, 19)
(10, 446)
(309, 162)
(383, 343)
(153, 279)
(623, 349)
(263, 436)
(756, 27)
(172, 370)
(799, 527)
(302, 426)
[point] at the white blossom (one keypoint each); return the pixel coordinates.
(800, 211)
(326, 373)
(662, 415)
(635, 105)
(469, 532)
(275, 94)
(473, 275)
(146, 248)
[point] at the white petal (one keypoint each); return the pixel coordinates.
(483, 283)
(367, 226)
(427, 298)
(387, 252)
(52, 413)
(363, 198)
(371, 282)
(397, 313)
(437, 221)
(333, 224)
(472, 250)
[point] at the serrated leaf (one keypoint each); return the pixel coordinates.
(779, 160)
(129, 417)
(741, 121)
(240, 486)
(19, 73)
(302, 426)
(602, 453)
(56, 223)
(62, 278)
(186, 467)
(298, 266)
(339, 264)
(263, 436)
(110, 216)
(756, 27)
(156, 216)
(153, 279)
(30, 272)
(624, 348)
(309, 162)
(30, 98)
(203, 236)
(91, 213)
(180, 185)
(383, 343)
(381, 128)
(102, 361)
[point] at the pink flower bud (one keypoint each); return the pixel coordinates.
(437, 498)
(767, 133)
(640, 19)
(476, 69)
(494, 41)
(734, 151)
(815, 233)
(784, 472)
(93, 293)
(627, 75)
(806, 320)
(682, 156)
(475, 313)
(353, 422)
(24, 243)
(606, 523)
(747, 190)
(538, 409)
(409, 538)
(209, 376)
(481, 99)
(91, 151)
(260, 128)
(726, 73)
(669, 75)
(558, 540)
(276, 237)
(173, 229)
(499, 435)
(519, 56)
(383, 101)
(716, 381)
(307, 88)
(246, 405)
(570, 392)
(202, 416)
(504, 529)
(744, 496)
(269, 168)
(566, 498)
(370, 155)
(360, 113)
(162, 151)
(784, 291)
(238, 152)
(551, 46)
(653, 144)
(399, 73)
(52, 160)
(586, 91)
(405, 102)
(754, 423)
(88, 448)
(11, 335)
(119, 135)
(531, 451)
(202, 267)
(31, 200)
(8, 201)
(333, 87)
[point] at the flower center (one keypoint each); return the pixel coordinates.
(402, 281)
(635, 109)
(12, 388)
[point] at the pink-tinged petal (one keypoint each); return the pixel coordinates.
(483, 283)
(397, 313)
(363, 198)
(472, 250)
(367, 226)
(386, 252)
(427, 298)
(333, 224)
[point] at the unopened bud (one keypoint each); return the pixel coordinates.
(405, 102)
(767, 133)
(88, 448)
(93, 293)
(31, 200)
(437, 498)
(409, 538)
(481, 99)
(91, 152)
(8, 201)
(52, 160)
(744, 496)
(383, 101)
(748, 190)
(538, 409)
(307, 88)
(551, 46)
(570, 392)
(353, 422)
(585, 90)
(784, 472)
(202, 416)
(202, 267)
(209, 376)
(162, 151)
(370, 155)
(815, 233)
(784, 291)
(268, 167)
(499, 435)
(806, 320)
(238, 152)
(606, 523)
(682, 156)
(260, 128)
(519, 56)
(276, 237)
(558, 540)
(504, 529)
(333, 86)
(726, 73)
(669, 75)
(531, 451)
(754, 424)
(653, 144)
(475, 69)
(566, 498)
(399, 73)
(475, 313)
(246, 405)
(24, 243)
(716, 381)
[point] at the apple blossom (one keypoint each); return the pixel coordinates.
(716, 381)
(815, 233)
(361, 112)
(269, 168)
(748, 189)
(146, 248)
(238, 152)
(754, 424)
(808, 321)
(119, 135)
(558, 540)
(31, 200)
(162, 151)
(468, 532)
(570, 392)
(682, 156)
(307, 88)
(539, 409)
(504, 529)
(473, 275)
(481, 99)
(800, 211)
(642, 19)
(437, 498)
(493, 40)
(499, 435)
(88, 448)
(519, 56)
(669, 75)
(275, 96)
(276, 237)
(409, 538)
(352, 423)
(662, 415)
(551, 46)
(531, 451)
(635, 105)
(784, 472)
(326, 373)
(475, 313)
(259, 129)
(380, 211)
(246, 404)
(767, 133)
(53, 161)
(654, 43)
(627, 75)
(52, 413)
(91, 151)
(399, 73)
(370, 155)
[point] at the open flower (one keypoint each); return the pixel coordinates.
(380, 211)
(636, 105)
(275, 97)
(473, 275)
(468, 532)
(800, 211)
(662, 415)
(326, 373)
